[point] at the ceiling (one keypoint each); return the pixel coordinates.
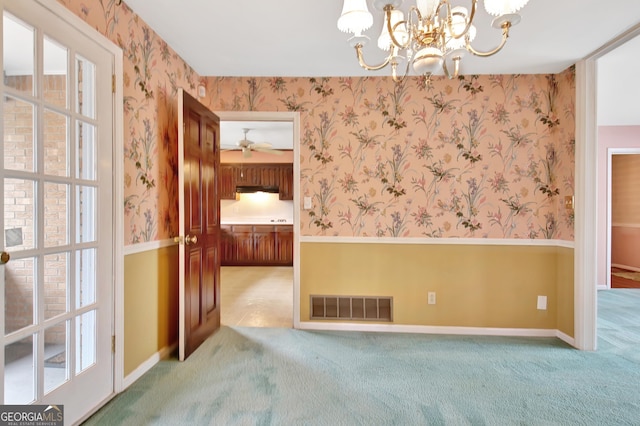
(277, 133)
(299, 38)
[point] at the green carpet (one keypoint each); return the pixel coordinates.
(257, 376)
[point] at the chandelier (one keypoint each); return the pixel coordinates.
(435, 36)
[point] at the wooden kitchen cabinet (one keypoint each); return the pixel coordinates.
(251, 174)
(257, 245)
(227, 182)
(284, 244)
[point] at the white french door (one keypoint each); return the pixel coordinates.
(57, 221)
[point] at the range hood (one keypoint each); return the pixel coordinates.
(249, 189)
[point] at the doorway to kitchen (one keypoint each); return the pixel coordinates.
(258, 191)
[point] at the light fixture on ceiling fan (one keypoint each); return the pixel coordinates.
(435, 36)
(248, 146)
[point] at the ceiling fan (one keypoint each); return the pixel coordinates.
(247, 146)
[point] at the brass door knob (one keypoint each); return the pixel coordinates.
(4, 257)
(190, 240)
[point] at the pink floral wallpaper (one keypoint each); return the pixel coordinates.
(479, 156)
(153, 72)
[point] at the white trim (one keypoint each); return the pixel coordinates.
(118, 237)
(626, 225)
(585, 256)
(147, 365)
(627, 267)
(148, 246)
(566, 338)
(440, 241)
(585, 299)
(428, 329)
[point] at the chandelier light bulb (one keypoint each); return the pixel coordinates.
(355, 17)
(400, 32)
(503, 7)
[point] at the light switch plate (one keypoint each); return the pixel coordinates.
(307, 205)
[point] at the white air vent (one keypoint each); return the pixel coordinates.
(356, 308)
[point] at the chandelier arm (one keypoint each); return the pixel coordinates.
(391, 29)
(456, 68)
(367, 67)
(505, 36)
(394, 76)
(474, 6)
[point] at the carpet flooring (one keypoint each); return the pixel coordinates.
(279, 376)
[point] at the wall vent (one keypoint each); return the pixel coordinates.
(356, 308)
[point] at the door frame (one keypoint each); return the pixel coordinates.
(586, 221)
(610, 153)
(69, 18)
(293, 117)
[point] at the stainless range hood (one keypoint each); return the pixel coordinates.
(249, 189)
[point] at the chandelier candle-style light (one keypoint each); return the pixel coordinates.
(435, 36)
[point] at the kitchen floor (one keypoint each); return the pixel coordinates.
(256, 296)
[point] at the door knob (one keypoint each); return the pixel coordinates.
(4, 257)
(186, 240)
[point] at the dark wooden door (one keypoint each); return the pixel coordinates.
(199, 162)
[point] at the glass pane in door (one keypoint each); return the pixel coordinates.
(19, 294)
(56, 141)
(19, 214)
(86, 151)
(18, 134)
(56, 284)
(86, 277)
(19, 63)
(86, 84)
(86, 214)
(56, 214)
(85, 341)
(19, 374)
(56, 367)
(55, 64)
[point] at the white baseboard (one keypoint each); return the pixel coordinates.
(427, 329)
(566, 338)
(147, 365)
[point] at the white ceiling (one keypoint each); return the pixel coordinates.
(277, 133)
(299, 38)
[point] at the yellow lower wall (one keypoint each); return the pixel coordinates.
(475, 285)
(150, 304)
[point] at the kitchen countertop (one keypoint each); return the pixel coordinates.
(255, 221)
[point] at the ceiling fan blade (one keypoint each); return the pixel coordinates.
(267, 150)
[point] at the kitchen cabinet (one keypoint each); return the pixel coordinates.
(264, 174)
(227, 182)
(256, 245)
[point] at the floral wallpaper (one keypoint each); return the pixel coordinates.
(479, 156)
(153, 72)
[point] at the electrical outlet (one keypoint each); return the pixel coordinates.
(542, 303)
(431, 298)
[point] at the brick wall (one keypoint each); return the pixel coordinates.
(19, 204)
